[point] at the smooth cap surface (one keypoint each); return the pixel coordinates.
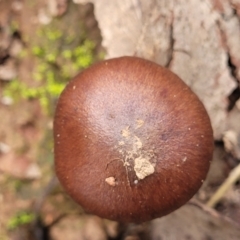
(132, 141)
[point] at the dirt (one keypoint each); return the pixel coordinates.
(26, 158)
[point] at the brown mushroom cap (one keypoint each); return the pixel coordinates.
(132, 141)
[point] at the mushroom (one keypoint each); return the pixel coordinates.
(132, 141)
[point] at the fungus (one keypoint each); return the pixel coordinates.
(129, 140)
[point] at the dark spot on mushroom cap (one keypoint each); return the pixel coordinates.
(138, 123)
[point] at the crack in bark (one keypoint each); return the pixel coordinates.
(171, 47)
(172, 42)
(235, 95)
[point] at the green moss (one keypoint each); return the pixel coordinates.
(58, 58)
(21, 218)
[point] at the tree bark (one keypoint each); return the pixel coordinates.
(198, 40)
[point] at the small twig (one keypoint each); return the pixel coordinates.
(115, 159)
(45, 193)
(226, 185)
(125, 164)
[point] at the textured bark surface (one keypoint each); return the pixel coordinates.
(207, 224)
(198, 40)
